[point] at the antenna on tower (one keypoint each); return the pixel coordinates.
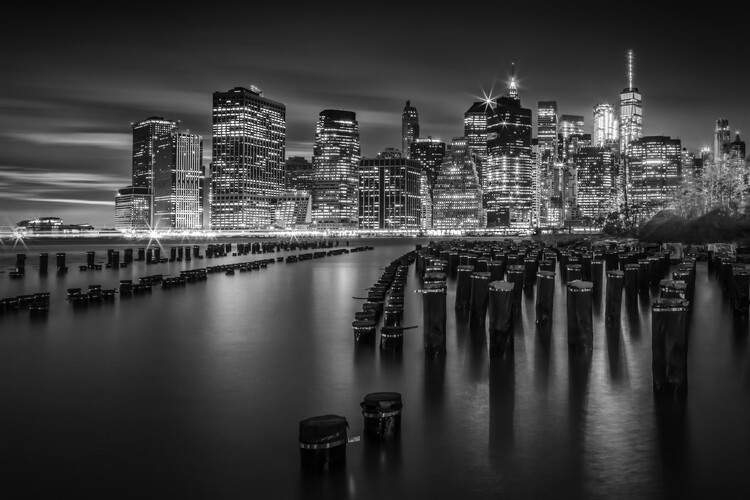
(630, 69)
(512, 89)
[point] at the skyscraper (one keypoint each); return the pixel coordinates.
(722, 139)
(631, 111)
(457, 194)
(336, 156)
(653, 172)
(409, 128)
(475, 131)
(247, 171)
(571, 125)
(606, 128)
(508, 179)
(429, 152)
(144, 134)
(594, 171)
(389, 193)
(178, 181)
(547, 129)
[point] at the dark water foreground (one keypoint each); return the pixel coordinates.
(197, 392)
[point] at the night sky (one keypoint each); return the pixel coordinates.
(74, 82)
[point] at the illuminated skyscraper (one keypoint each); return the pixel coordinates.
(631, 111)
(594, 172)
(737, 148)
(389, 193)
(178, 181)
(144, 134)
(247, 171)
(508, 180)
(336, 157)
(475, 130)
(429, 153)
(547, 129)
(687, 160)
(571, 125)
(457, 194)
(654, 172)
(606, 130)
(409, 128)
(722, 139)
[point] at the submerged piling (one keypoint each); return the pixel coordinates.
(500, 310)
(434, 319)
(613, 305)
(480, 281)
(463, 287)
(669, 346)
(545, 295)
(580, 316)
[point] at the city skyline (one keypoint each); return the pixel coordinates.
(75, 85)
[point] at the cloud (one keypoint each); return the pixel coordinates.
(106, 140)
(109, 203)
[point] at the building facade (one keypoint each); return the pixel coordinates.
(336, 156)
(508, 179)
(247, 171)
(389, 193)
(178, 182)
(653, 172)
(595, 179)
(133, 209)
(409, 128)
(631, 111)
(606, 130)
(299, 174)
(144, 134)
(457, 194)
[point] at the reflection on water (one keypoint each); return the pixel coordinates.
(198, 391)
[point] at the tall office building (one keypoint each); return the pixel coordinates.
(475, 131)
(247, 171)
(133, 209)
(571, 125)
(178, 181)
(687, 160)
(737, 147)
(144, 134)
(336, 156)
(631, 111)
(429, 152)
(457, 194)
(722, 139)
(389, 193)
(595, 179)
(508, 179)
(606, 130)
(654, 171)
(409, 128)
(546, 124)
(299, 174)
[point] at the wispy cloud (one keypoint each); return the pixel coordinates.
(106, 140)
(71, 201)
(28, 183)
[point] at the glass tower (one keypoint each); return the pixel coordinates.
(178, 181)
(654, 171)
(508, 179)
(144, 134)
(457, 194)
(336, 156)
(606, 131)
(631, 111)
(247, 171)
(389, 193)
(409, 128)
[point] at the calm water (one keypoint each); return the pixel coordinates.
(198, 392)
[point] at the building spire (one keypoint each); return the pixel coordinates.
(512, 89)
(630, 69)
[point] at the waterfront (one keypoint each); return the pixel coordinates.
(198, 392)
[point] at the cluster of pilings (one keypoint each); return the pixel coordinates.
(35, 303)
(323, 439)
(734, 280)
(385, 299)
